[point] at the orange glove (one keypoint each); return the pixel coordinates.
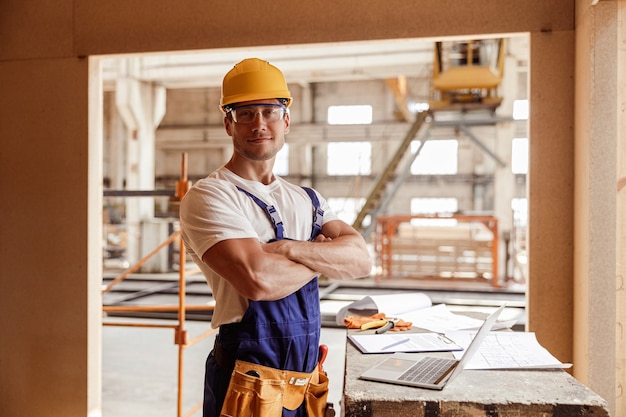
(401, 326)
(355, 322)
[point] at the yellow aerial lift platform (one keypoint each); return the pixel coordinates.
(466, 77)
(467, 74)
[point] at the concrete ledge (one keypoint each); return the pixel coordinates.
(529, 393)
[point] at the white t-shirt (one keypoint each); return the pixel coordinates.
(214, 210)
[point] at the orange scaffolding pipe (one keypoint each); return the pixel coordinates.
(181, 336)
(386, 227)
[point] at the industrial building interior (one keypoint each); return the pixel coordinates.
(97, 143)
(467, 156)
(432, 172)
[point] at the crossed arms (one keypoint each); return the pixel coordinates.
(274, 270)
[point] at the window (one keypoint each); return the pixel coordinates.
(432, 206)
(520, 109)
(281, 164)
(416, 107)
(349, 158)
(519, 156)
(350, 115)
(520, 211)
(346, 208)
(437, 157)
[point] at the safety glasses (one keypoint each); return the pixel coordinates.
(247, 114)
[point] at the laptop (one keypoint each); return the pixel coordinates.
(428, 371)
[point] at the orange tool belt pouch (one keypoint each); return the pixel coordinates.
(260, 391)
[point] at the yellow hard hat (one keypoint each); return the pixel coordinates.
(254, 79)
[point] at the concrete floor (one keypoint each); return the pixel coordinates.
(140, 368)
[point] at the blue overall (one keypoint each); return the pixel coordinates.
(282, 334)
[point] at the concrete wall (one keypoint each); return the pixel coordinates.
(50, 171)
(192, 124)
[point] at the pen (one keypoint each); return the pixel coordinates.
(396, 343)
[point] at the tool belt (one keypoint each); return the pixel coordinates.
(260, 391)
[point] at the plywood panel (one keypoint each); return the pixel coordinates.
(44, 234)
(551, 188)
(36, 29)
(143, 25)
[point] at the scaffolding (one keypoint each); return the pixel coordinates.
(456, 247)
(181, 335)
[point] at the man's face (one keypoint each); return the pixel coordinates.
(258, 128)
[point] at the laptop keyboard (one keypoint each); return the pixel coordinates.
(427, 371)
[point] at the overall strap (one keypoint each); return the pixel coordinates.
(277, 223)
(318, 213)
(271, 212)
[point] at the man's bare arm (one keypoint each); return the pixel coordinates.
(339, 253)
(255, 273)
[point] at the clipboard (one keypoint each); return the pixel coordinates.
(403, 342)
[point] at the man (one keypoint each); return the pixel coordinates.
(261, 243)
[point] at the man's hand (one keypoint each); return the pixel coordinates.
(322, 238)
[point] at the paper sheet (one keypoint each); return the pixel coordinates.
(440, 319)
(507, 350)
(390, 304)
(403, 342)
